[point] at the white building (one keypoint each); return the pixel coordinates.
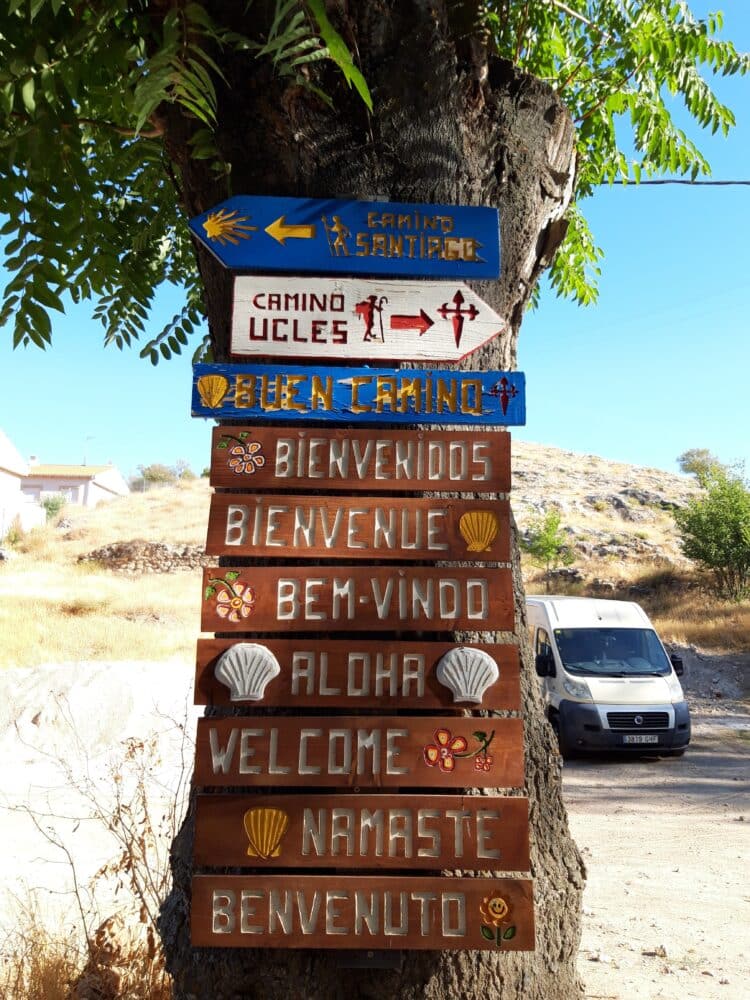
(15, 507)
(84, 485)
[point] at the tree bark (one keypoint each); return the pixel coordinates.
(450, 126)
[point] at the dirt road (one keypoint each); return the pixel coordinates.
(667, 846)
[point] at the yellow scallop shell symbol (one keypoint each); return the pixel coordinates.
(212, 390)
(265, 828)
(479, 529)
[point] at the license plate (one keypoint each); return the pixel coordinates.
(641, 738)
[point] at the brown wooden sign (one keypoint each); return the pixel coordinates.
(362, 831)
(339, 911)
(354, 673)
(359, 527)
(371, 460)
(360, 752)
(354, 598)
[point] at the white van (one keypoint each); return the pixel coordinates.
(607, 679)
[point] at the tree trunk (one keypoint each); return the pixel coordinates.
(450, 126)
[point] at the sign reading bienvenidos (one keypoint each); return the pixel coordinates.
(354, 815)
(370, 460)
(345, 236)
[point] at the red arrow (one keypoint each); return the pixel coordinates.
(421, 322)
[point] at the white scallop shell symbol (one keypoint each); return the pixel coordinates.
(467, 673)
(246, 668)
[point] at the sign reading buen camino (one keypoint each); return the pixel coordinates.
(363, 774)
(359, 395)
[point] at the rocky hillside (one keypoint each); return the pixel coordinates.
(610, 510)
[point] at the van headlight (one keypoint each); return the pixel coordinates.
(675, 689)
(577, 689)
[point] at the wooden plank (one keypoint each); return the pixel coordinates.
(471, 832)
(330, 318)
(339, 911)
(355, 673)
(360, 752)
(356, 598)
(370, 460)
(362, 527)
(345, 236)
(274, 394)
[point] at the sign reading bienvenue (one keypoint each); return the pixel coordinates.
(359, 395)
(344, 236)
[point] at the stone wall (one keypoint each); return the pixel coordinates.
(148, 557)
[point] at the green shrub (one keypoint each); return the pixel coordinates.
(53, 504)
(715, 532)
(547, 544)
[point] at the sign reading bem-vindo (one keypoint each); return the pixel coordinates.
(355, 768)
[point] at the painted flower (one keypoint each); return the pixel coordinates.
(236, 603)
(442, 751)
(483, 762)
(245, 458)
(494, 909)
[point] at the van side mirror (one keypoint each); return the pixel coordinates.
(545, 665)
(679, 666)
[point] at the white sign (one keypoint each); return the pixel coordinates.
(348, 317)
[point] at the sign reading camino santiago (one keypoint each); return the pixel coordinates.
(359, 395)
(302, 235)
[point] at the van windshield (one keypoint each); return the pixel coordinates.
(612, 652)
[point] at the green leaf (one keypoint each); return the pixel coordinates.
(222, 445)
(509, 934)
(27, 95)
(208, 593)
(231, 576)
(340, 54)
(487, 933)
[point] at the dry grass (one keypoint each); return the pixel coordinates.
(53, 609)
(36, 963)
(677, 599)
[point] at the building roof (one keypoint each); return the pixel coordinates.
(10, 460)
(66, 471)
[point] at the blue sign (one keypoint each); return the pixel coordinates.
(309, 235)
(359, 395)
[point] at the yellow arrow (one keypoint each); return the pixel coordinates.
(281, 231)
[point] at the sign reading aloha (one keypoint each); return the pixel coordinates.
(355, 674)
(302, 235)
(359, 395)
(360, 752)
(362, 831)
(315, 318)
(339, 911)
(257, 457)
(362, 527)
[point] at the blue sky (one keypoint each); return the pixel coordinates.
(661, 364)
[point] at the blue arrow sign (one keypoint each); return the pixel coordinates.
(359, 395)
(308, 235)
